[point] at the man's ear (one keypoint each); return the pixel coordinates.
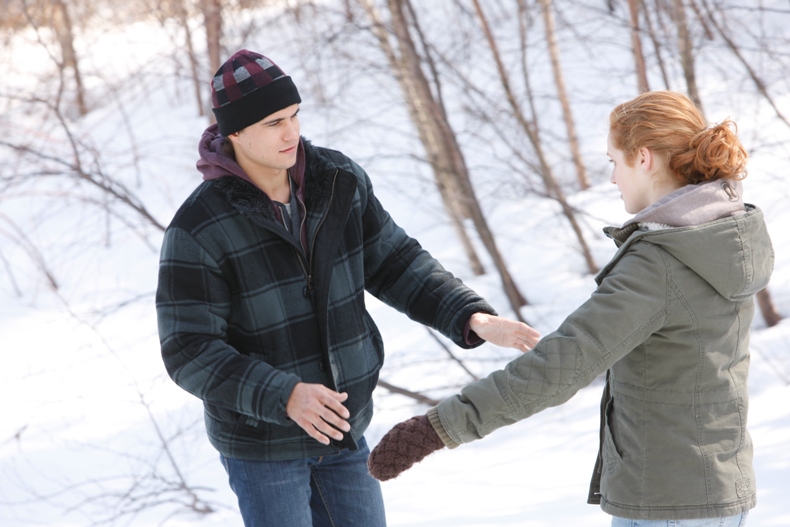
(233, 138)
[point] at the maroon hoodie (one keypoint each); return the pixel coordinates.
(214, 164)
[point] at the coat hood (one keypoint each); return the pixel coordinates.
(709, 229)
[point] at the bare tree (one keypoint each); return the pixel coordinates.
(562, 95)
(438, 138)
(636, 46)
(54, 163)
(212, 19)
(686, 49)
(767, 308)
(54, 15)
(76, 173)
(553, 189)
(423, 110)
(183, 18)
(711, 16)
(654, 39)
(65, 31)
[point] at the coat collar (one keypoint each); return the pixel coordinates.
(315, 188)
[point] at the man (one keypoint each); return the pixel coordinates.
(261, 305)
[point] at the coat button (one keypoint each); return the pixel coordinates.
(306, 292)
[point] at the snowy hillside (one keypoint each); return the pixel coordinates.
(93, 431)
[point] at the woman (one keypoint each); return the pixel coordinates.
(669, 323)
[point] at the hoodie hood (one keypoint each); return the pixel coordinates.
(693, 205)
(709, 229)
(213, 163)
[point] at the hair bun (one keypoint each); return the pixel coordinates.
(716, 154)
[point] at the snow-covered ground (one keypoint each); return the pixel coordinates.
(86, 403)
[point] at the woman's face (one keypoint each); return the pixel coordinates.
(635, 183)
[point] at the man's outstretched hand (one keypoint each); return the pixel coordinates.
(504, 332)
(407, 443)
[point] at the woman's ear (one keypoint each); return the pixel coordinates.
(645, 159)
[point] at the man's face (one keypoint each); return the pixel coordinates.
(268, 147)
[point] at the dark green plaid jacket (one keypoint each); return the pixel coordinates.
(244, 314)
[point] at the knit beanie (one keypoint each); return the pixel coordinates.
(249, 87)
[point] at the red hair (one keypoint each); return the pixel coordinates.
(670, 125)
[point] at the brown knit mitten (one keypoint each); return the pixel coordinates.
(407, 443)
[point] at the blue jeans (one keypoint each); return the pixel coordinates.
(326, 491)
(729, 521)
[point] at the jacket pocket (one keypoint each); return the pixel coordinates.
(611, 452)
(375, 337)
(232, 419)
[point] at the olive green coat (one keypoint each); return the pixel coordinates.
(670, 322)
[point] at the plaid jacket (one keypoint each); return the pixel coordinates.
(245, 313)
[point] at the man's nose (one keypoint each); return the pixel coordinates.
(292, 129)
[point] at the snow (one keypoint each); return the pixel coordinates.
(85, 396)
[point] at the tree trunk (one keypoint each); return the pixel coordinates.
(438, 139)
(562, 95)
(452, 160)
(636, 47)
(417, 105)
(212, 17)
(686, 51)
(767, 308)
(656, 44)
(552, 187)
(181, 13)
(65, 33)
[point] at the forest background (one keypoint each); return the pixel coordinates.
(483, 126)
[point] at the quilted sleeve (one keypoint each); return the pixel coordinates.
(628, 306)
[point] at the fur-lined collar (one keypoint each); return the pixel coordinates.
(250, 200)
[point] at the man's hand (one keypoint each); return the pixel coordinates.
(315, 407)
(504, 332)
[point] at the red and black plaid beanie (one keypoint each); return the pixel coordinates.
(247, 88)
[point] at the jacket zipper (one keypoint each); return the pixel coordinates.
(307, 269)
(344, 443)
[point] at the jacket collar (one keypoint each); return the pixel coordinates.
(685, 207)
(694, 204)
(314, 186)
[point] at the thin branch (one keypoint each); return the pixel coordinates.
(758, 82)
(408, 393)
(452, 355)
